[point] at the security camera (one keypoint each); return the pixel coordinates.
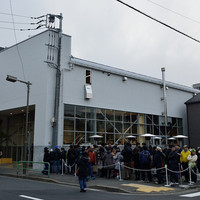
(125, 78)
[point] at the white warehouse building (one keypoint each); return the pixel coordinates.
(93, 99)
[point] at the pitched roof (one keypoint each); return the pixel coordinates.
(193, 100)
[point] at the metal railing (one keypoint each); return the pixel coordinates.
(20, 166)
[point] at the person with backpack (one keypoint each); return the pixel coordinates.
(82, 170)
(145, 164)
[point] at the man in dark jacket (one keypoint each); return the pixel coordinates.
(83, 168)
(56, 162)
(71, 157)
(159, 157)
(174, 160)
(63, 159)
(145, 163)
(46, 159)
(127, 154)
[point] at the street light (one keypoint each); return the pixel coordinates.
(28, 84)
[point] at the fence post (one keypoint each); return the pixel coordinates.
(166, 171)
(75, 170)
(17, 168)
(190, 175)
(181, 182)
(62, 166)
(120, 173)
(48, 170)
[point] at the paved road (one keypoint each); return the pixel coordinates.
(22, 189)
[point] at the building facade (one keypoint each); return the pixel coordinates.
(94, 99)
(193, 110)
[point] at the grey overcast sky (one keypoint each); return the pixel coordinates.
(107, 32)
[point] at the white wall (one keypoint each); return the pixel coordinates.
(34, 54)
(112, 92)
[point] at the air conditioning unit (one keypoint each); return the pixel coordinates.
(88, 92)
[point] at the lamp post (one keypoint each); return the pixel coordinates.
(28, 84)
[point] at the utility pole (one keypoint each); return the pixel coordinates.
(55, 119)
(164, 101)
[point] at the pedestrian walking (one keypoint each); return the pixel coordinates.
(82, 170)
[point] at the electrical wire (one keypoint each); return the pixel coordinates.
(154, 19)
(7, 22)
(193, 20)
(3, 13)
(22, 65)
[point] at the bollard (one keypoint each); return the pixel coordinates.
(62, 166)
(190, 175)
(120, 174)
(75, 170)
(181, 182)
(166, 171)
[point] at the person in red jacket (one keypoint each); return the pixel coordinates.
(92, 156)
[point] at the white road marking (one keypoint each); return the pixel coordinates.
(27, 197)
(93, 190)
(191, 195)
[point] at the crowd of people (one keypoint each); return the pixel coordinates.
(107, 160)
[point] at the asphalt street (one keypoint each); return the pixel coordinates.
(22, 189)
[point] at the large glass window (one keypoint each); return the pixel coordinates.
(81, 122)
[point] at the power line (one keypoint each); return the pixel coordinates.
(174, 11)
(16, 40)
(3, 13)
(7, 22)
(164, 24)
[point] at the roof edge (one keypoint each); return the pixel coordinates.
(121, 72)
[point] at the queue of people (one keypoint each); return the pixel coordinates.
(138, 161)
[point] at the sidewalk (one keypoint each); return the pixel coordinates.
(112, 185)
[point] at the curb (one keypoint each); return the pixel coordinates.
(98, 187)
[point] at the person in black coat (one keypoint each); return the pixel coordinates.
(83, 168)
(174, 160)
(56, 162)
(127, 154)
(63, 159)
(136, 154)
(71, 158)
(159, 157)
(46, 159)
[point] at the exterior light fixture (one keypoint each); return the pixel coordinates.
(28, 84)
(125, 78)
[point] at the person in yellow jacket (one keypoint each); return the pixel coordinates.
(184, 162)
